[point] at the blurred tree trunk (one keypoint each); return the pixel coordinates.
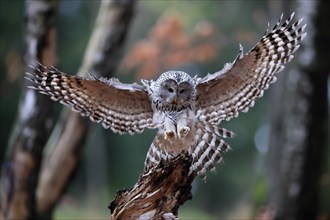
(300, 119)
(101, 58)
(20, 171)
(30, 189)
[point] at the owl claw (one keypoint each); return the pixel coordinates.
(169, 135)
(184, 131)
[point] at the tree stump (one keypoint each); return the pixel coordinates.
(158, 193)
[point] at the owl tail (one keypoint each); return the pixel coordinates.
(207, 150)
(205, 145)
(157, 152)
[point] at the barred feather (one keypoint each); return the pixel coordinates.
(125, 108)
(205, 144)
(222, 95)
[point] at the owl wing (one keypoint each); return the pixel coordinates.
(222, 95)
(125, 108)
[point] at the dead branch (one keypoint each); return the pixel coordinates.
(158, 193)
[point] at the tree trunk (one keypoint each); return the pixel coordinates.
(34, 122)
(299, 132)
(30, 189)
(101, 58)
(158, 193)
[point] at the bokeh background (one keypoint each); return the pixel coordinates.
(198, 37)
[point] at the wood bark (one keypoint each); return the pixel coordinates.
(21, 169)
(299, 132)
(158, 193)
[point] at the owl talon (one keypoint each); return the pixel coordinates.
(184, 132)
(169, 135)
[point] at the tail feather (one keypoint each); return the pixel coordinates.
(207, 153)
(157, 152)
(205, 145)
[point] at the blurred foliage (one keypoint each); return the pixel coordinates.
(194, 36)
(168, 45)
(11, 66)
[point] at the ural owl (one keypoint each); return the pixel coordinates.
(185, 110)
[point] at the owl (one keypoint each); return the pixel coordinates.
(185, 110)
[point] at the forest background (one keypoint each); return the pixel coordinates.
(197, 37)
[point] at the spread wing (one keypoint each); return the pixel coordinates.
(222, 95)
(125, 108)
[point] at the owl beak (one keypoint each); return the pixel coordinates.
(175, 100)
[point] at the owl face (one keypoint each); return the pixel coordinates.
(175, 93)
(175, 90)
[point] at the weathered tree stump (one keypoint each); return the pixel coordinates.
(158, 193)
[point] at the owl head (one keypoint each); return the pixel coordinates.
(173, 91)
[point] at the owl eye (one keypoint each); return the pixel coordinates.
(181, 91)
(170, 90)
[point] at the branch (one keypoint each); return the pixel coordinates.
(158, 193)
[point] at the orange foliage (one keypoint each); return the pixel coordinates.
(168, 46)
